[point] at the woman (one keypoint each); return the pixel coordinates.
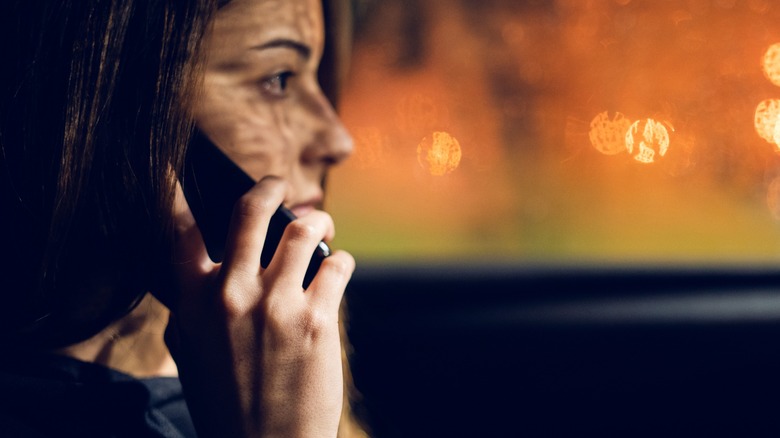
(99, 101)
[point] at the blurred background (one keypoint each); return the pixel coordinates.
(566, 215)
(559, 131)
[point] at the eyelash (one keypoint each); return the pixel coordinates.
(276, 85)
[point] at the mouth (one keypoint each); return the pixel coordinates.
(300, 209)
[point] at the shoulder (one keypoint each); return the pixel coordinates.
(54, 396)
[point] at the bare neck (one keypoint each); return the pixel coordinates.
(133, 345)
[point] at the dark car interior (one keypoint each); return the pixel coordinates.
(497, 351)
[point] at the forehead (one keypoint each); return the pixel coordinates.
(243, 24)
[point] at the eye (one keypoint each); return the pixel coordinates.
(276, 85)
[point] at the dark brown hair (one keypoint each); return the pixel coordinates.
(93, 98)
(93, 118)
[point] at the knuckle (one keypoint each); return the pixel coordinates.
(299, 231)
(252, 206)
(296, 326)
(343, 265)
(233, 307)
(315, 324)
(323, 216)
(235, 298)
(321, 320)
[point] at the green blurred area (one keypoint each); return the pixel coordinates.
(574, 217)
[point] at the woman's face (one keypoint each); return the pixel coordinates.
(261, 102)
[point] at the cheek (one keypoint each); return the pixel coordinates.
(310, 121)
(249, 130)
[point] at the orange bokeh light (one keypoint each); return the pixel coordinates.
(767, 114)
(771, 64)
(646, 139)
(439, 154)
(607, 135)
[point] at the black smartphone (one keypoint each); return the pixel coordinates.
(212, 184)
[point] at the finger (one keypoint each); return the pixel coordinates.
(191, 262)
(300, 239)
(331, 280)
(249, 225)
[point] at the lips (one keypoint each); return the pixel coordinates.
(304, 197)
(302, 208)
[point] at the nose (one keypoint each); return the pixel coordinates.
(331, 143)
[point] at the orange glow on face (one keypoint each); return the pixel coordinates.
(766, 118)
(439, 154)
(647, 138)
(607, 135)
(771, 64)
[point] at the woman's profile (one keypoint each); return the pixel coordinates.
(99, 100)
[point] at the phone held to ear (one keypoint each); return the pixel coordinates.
(212, 184)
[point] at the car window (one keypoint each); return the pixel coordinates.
(562, 131)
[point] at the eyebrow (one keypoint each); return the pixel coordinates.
(302, 49)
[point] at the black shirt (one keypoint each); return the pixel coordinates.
(55, 396)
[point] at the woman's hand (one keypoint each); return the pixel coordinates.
(258, 355)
